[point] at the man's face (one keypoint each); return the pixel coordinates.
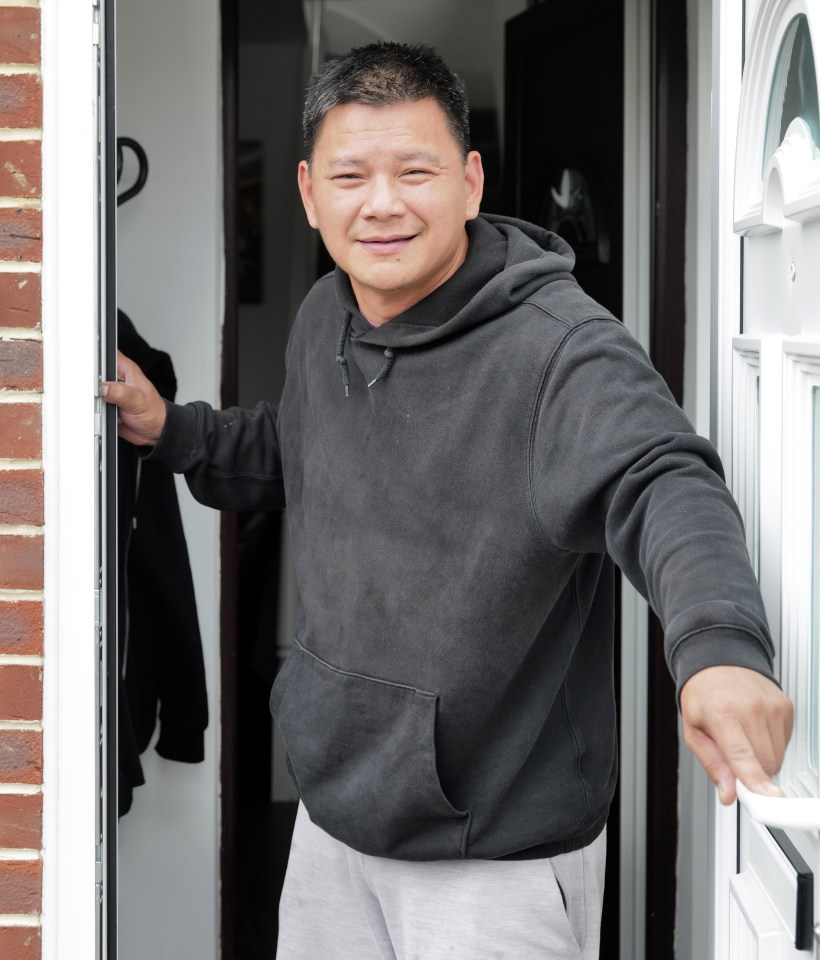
(390, 194)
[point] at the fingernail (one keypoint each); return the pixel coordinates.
(769, 788)
(103, 389)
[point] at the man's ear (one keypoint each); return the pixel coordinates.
(306, 191)
(473, 183)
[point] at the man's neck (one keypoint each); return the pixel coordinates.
(378, 307)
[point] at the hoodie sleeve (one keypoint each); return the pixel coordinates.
(617, 467)
(231, 458)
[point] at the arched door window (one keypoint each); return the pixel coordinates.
(794, 88)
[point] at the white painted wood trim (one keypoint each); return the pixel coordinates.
(800, 367)
(634, 611)
(745, 464)
(70, 350)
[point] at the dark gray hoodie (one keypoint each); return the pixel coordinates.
(457, 481)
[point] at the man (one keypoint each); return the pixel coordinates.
(463, 442)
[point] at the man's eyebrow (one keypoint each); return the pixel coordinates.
(406, 156)
(425, 155)
(346, 162)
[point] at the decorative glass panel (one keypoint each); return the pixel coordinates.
(568, 209)
(794, 88)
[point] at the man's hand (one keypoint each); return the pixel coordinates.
(737, 723)
(141, 408)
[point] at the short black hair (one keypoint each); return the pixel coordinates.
(385, 73)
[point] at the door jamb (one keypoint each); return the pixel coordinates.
(728, 28)
(229, 530)
(71, 285)
(637, 221)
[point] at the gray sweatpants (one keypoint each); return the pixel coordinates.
(338, 904)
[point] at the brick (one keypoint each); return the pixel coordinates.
(21, 363)
(21, 757)
(19, 35)
(21, 628)
(21, 234)
(20, 943)
(21, 562)
(21, 497)
(21, 101)
(20, 430)
(21, 692)
(20, 300)
(21, 823)
(21, 886)
(21, 166)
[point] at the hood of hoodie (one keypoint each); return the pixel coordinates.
(507, 260)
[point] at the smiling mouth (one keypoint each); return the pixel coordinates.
(386, 244)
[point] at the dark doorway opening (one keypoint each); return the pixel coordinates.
(566, 173)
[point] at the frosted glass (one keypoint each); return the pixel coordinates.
(794, 88)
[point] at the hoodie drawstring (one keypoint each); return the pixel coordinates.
(340, 353)
(389, 357)
(341, 359)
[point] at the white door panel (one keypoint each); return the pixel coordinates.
(775, 470)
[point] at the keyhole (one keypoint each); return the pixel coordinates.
(793, 271)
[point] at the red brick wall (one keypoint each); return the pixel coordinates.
(21, 485)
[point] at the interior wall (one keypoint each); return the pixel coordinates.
(171, 285)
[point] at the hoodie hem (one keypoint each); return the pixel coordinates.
(555, 848)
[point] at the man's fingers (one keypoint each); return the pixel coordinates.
(780, 730)
(141, 408)
(738, 723)
(711, 759)
(733, 758)
(750, 759)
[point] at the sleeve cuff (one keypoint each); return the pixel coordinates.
(181, 744)
(718, 646)
(177, 441)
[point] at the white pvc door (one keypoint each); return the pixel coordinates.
(772, 901)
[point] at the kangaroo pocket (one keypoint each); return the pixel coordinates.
(362, 752)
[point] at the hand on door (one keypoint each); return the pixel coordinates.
(737, 723)
(141, 408)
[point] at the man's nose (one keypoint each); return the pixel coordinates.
(383, 199)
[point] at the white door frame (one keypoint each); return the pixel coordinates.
(70, 301)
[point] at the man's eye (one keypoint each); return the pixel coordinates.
(347, 177)
(416, 173)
